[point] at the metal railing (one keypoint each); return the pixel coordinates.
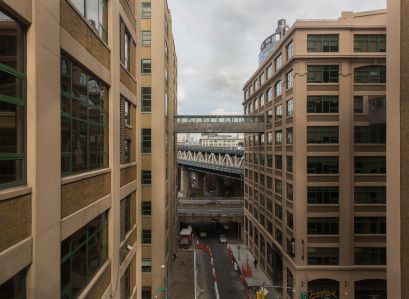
(219, 168)
(239, 151)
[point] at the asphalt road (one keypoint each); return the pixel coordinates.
(228, 279)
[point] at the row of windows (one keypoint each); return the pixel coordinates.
(330, 42)
(278, 161)
(362, 225)
(362, 256)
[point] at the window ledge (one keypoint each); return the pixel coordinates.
(128, 126)
(14, 192)
(128, 165)
(370, 174)
(323, 174)
(128, 234)
(323, 83)
(370, 205)
(323, 236)
(313, 205)
(82, 176)
(370, 235)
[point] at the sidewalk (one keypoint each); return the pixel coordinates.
(183, 285)
(258, 277)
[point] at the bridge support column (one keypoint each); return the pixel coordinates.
(184, 182)
(200, 183)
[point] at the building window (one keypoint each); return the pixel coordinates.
(370, 134)
(146, 141)
(322, 135)
(323, 256)
(370, 195)
(146, 10)
(290, 107)
(278, 112)
(269, 161)
(269, 95)
(370, 225)
(125, 216)
(370, 74)
(323, 73)
(322, 226)
(278, 236)
(323, 195)
(269, 138)
(290, 220)
(289, 163)
(370, 256)
(370, 43)
(126, 284)
(290, 193)
(278, 211)
(146, 38)
(146, 93)
(126, 59)
(370, 288)
(261, 79)
(290, 50)
(146, 236)
(146, 208)
(322, 104)
(127, 115)
(278, 187)
(269, 72)
(15, 287)
(322, 165)
(261, 99)
(146, 177)
(146, 66)
(146, 292)
(323, 43)
(146, 265)
(318, 287)
(370, 165)
(289, 138)
(127, 151)
(278, 162)
(277, 89)
(84, 120)
(96, 14)
(358, 104)
(82, 255)
(290, 79)
(278, 62)
(12, 103)
(278, 137)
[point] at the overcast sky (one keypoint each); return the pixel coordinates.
(218, 42)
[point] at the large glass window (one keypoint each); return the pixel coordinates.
(146, 10)
(278, 62)
(146, 236)
(146, 141)
(126, 284)
(146, 177)
(290, 50)
(370, 225)
(277, 89)
(278, 140)
(358, 104)
(269, 95)
(370, 289)
(290, 138)
(290, 107)
(125, 216)
(324, 288)
(322, 165)
(370, 42)
(370, 256)
(370, 74)
(322, 195)
(370, 195)
(15, 287)
(96, 13)
(289, 163)
(84, 120)
(82, 254)
(323, 255)
(278, 162)
(290, 79)
(12, 103)
(322, 104)
(126, 44)
(146, 208)
(370, 134)
(278, 112)
(269, 72)
(320, 135)
(370, 164)
(146, 265)
(322, 42)
(323, 74)
(323, 225)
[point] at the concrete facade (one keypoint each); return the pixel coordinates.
(397, 149)
(51, 205)
(280, 167)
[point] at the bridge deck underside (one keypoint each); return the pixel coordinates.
(232, 172)
(218, 127)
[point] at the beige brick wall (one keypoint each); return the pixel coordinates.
(79, 194)
(78, 28)
(128, 81)
(101, 285)
(128, 175)
(15, 221)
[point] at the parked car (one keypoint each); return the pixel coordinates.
(222, 239)
(203, 233)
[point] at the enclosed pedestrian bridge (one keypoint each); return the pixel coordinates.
(218, 124)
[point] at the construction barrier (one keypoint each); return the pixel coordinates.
(210, 254)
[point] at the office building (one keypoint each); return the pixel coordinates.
(315, 199)
(157, 91)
